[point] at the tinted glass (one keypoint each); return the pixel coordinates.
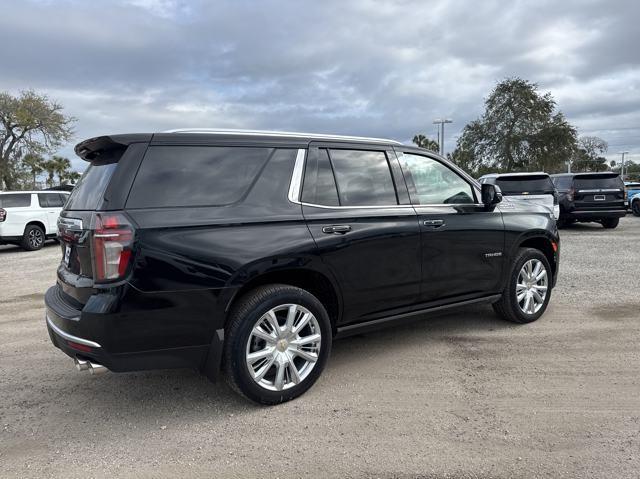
(597, 182)
(50, 200)
(363, 177)
(319, 186)
(433, 183)
(518, 185)
(562, 182)
(173, 176)
(89, 191)
(15, 200)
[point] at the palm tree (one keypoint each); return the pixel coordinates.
(50, 167)
(62, 167)
(35, 163)
(426, 143)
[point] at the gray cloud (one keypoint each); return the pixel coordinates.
(359, 67)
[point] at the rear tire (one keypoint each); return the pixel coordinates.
(33, 238)
(635, 208)
(510, 306)
(610, 223)
(278, 340)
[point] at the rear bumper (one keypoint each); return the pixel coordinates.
(591, 215)
(94, 336)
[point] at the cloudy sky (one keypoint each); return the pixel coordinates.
(351, 67)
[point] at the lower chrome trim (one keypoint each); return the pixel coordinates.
(70, 337)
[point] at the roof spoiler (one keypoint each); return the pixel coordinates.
(93, 148)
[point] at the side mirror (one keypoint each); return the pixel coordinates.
(491, 194)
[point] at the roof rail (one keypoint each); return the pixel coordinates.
(222, 131)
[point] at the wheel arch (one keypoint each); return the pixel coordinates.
(38, 223)
(313, 281)
(544, 244)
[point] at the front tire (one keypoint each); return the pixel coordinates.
(528, 290)
(33, 238)
(610, 223)
(278, 342)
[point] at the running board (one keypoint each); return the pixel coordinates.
(352, 329)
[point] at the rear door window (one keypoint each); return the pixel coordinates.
(15, 200)
(531, 185)
(50, 200)
(175, 176)
(319, 187)
(363, 178)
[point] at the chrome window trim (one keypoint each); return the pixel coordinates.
(295, 188)
(606, 190)
(70, 337)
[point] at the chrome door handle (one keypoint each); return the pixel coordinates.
(433, 223)
(339, 229)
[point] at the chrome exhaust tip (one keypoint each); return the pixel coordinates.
(81, 364)
(95, 368)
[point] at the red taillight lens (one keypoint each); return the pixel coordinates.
(570, 194)
(3, 214)
(112, 245)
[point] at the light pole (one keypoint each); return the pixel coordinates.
(441, 122)
(622, 164)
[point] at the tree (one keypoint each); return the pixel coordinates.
(59, 166)
(426, 143)
(588, 154)
(520, 130)
(30, 122)
(35, 164)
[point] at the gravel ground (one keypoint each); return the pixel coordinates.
(459, 395)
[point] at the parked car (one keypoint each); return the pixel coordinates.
(634, 203)
(535, 187)
(249, 252)
(588, 197)
(631, 188)
(29, 218)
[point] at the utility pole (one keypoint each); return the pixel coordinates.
(622, 164)
(440, 122)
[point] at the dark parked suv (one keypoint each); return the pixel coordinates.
(249, 252)
(588, 197)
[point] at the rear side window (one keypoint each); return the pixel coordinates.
(363, 178)
(51, 200)
(518, 185)
(173, 176)
(598, 182)
(89, 191)
(562, 182)
(15, 200)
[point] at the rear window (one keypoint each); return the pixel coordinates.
(15, 200)
(89, 191)
(173, 176)
(563, 182)
(598, 182)
(518, 185)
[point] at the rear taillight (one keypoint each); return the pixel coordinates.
(555, 197)
(112, 246)
(3, 214)
(571, 194)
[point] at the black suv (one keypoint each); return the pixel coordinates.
(249, 252)
(588, 197)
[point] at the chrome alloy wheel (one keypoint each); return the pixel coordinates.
(531, 289)
(283, 347)
(35, 238)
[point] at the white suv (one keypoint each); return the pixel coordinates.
(28, 218)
